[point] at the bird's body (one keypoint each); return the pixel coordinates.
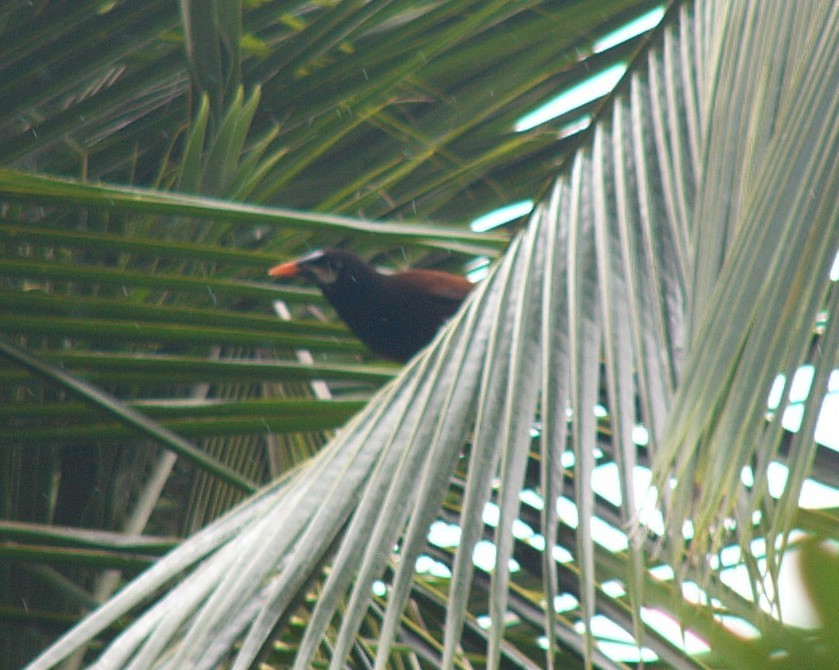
(394, 315)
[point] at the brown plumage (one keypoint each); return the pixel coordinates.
(394, 315)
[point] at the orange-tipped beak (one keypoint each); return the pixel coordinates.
(290, 269)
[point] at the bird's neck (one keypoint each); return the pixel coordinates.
(351, 297)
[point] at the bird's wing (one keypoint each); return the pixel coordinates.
(434, 283)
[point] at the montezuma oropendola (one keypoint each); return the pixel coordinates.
(395, 315)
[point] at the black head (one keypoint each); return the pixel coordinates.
(325, 267)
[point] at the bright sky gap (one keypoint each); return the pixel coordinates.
(591, 89)
(598, 85)
(501, 216)
(632, 29)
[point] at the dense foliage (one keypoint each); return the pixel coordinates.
(170, 418)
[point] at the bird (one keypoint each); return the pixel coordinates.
(394, 315)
